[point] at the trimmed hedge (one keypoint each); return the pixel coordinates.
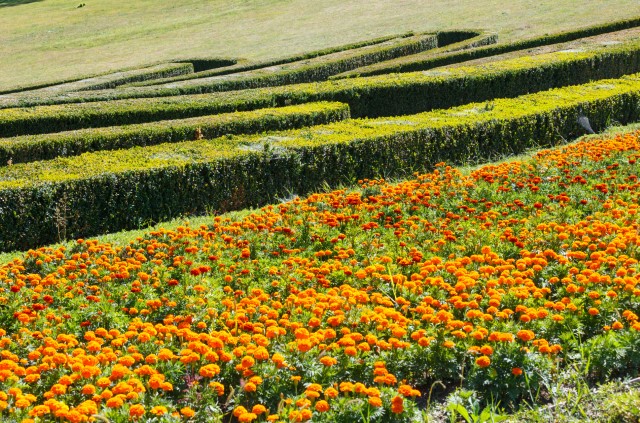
(418, 59)
(432, 60)
(110, 80)
(38, 86)
(43, 202)
(315, 69)
(205, 64)
(113, 80)
(44, 147)
(387, 95)
(243, 66)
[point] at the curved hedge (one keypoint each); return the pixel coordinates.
(387, 95)
(435, 59)
(44, 147)
(315, 69)
(243, 66)
(110, 80)
(424, 60)
(99, 192)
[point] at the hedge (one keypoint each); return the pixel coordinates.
(421, 60)
(315, 69)
(430, 60)
(44, 147)
(243, 66)
(443, 38)
(110, 80)
(387, 95)
(113, 80)
(45, 201)
(202, 64)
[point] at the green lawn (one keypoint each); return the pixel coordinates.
(49, 40)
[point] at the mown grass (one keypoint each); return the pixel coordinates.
(108, 35)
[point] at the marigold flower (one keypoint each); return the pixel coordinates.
(322, 406)
(483, 361)
(209, 370)
(187, 412)
(526, 335)
(159, 410)
(397, 404)
(258, 409)
(247, 417)
(375, 402)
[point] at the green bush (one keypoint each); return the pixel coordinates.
(244, 66)
(436, 58)
(317, 69)
(449, 47)
(113, 80)
(45, 201)
(110, 80)
(43, 147)
(387, 95)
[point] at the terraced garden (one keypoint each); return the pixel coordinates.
(338, 266)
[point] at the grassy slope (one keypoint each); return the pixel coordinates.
(113, 34)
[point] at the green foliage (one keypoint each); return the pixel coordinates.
(436, 58)
(244, 66)
(47, 201)
(48, 146)
(448, 47)
(387, 95)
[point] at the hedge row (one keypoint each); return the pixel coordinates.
(244, 66)
(443, 38)
(432, 60)
(110, 80)
(113, 80)
(202, 64)
(317, 69)
(42, 202)
(387, 95)
(421, 59)
(44, 147)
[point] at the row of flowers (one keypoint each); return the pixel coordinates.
(344, 306)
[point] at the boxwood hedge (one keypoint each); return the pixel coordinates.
(45, 201)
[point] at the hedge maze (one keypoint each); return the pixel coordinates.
(122, 150)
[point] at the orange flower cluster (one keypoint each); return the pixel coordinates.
(345, 299)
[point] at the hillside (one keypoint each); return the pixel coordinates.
(51, 40)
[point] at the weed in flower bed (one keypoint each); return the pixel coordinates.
(347, 306)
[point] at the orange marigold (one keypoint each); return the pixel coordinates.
(483, 361)
(322, 406)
